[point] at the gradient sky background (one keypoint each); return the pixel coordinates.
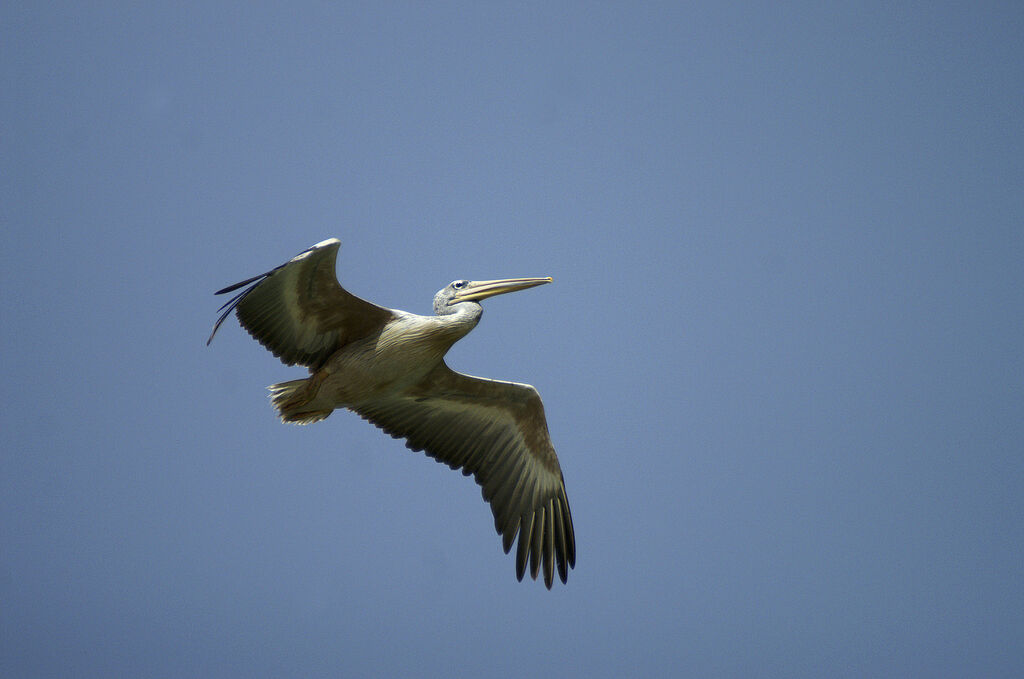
(781, 359)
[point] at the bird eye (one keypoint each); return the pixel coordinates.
(458, 285)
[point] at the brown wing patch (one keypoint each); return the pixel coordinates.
(494, 431)
(300, 312)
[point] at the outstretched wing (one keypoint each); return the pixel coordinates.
(495, 431)
(299, 311)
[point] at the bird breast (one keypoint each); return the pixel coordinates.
(406, 349)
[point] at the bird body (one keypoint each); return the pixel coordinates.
(405, 350)
(388, 367)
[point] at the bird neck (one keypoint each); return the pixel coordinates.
(462, 318)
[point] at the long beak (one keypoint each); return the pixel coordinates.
(476, 290)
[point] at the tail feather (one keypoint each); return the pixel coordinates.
(294, 402)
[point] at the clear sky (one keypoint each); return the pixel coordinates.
(782, 358)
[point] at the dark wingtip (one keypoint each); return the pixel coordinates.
(523, 550)
(230, 305)
(242, 284)
(216, 326)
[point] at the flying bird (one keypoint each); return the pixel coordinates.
(388, 367)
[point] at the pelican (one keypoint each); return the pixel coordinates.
(388, 367)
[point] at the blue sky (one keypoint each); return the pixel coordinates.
(781, 358)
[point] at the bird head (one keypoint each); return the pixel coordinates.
(461, 291)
